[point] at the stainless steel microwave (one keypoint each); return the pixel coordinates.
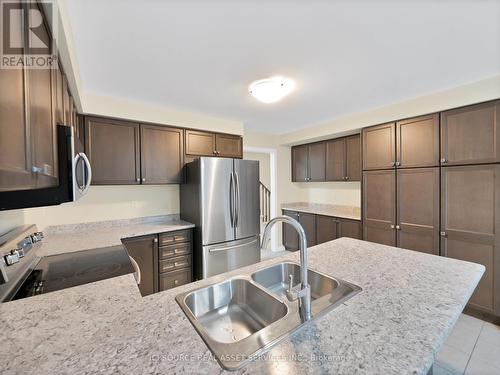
(75, 176)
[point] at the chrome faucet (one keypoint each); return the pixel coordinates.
(301, 292)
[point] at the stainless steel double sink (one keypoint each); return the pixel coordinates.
(244, 316)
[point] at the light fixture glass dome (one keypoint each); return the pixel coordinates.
(271, 90)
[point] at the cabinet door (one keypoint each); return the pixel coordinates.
(418, 209)
(58, 96)
(229, 146)
(300, 163)
(379, 207)
(316, 162)
(162, 151)
(353, 158)
(471, 135)
(350, 228)
(326, 228)
(308, 222)
(144, 251)
(417, 142)
(200, 143)
(379, 148)
(42, 126)
(470, 203)
(290, 236)
(15, 153)
(335, 160)
(113, 150)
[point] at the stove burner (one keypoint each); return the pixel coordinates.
(98, 271)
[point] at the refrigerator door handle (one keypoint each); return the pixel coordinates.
(216, 249)
(237, 200)
(231, 198)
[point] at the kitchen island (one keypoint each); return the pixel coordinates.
(396, 325)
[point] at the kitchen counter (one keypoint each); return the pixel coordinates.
(346, 212)
(87, 236)
(396, 325)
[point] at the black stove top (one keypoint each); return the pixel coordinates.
(67, 270)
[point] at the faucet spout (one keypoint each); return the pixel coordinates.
(303, 292)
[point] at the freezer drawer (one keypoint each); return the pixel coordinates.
(229, 256)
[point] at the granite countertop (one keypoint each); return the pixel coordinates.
(396, 325)
(87, 236)
(346, 212)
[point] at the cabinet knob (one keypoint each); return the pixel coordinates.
(138, 179)
(398, 227)
(442, 234)
(398, 163)
(444, 161)
(143, 179)
(393, 163)
(176, 282)
(393, 226)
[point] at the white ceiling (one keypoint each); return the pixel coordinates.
(346, 56)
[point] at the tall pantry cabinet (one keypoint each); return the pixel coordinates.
(432, 184)
(401, 184)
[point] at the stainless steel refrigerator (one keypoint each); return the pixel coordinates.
(221, 197)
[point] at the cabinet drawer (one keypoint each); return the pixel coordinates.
(176, 278)
(175, 250)
(175, 263)
(175, 237)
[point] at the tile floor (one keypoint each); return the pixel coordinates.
(473, 347)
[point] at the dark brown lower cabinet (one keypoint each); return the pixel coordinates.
(308, 222)
(379, 206)
(418, 209)
(326, 228)
(290, 236)
(470, 227)
(350, 228)
(319, 229)
(144, 252)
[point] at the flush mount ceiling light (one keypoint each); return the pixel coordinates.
(271, 90)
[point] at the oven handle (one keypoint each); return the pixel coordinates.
(137, 270)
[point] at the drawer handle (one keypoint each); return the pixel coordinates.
(176, 282)
(178, 264)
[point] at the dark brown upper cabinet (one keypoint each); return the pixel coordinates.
(379, 146)
(379, 206)
(336, 160)
(199, 143)
(308, 162)
(228, 146)
(343, 159)
(417, 205)
(300, 162)
(470, 225)
(15, 151)
(162, 151)
(42, 125)
(114, 151)
(417, 142)
(326, 228)
(58, 97)
(316, 161)
(471, 135)
(353, 158)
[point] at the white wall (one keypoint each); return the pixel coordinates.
(101, 203)
(264, 165)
